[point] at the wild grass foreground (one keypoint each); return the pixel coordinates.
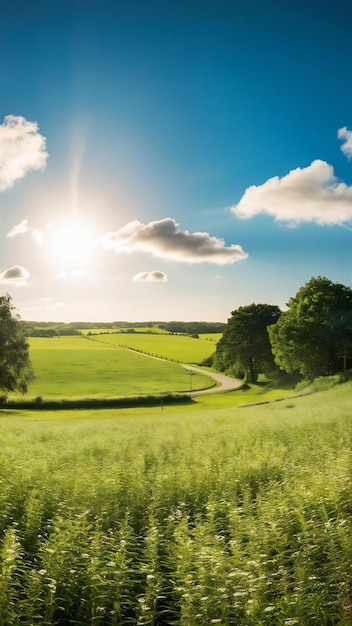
(203, 515)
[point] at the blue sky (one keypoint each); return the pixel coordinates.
(172, 160)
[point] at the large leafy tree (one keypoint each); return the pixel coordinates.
(314, 336)
(245, 347)
(16, 371)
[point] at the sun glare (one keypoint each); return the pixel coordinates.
(71, 244)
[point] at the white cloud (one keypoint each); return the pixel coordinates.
(150, 277)
(344, 133)
(22, 149)
(163, 239)
(311, 194)
(24, 227)
(16, 275)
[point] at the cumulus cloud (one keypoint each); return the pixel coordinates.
(163, 239)
(22, 149)
(24, 227)
(150, 277)
(346, 135)
(311, 194)
(16, 275)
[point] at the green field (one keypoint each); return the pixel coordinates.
(173, 347)
(77, 367)
(209, 514)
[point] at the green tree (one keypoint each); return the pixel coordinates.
(314, 336)
(245, 347)
(16, 370)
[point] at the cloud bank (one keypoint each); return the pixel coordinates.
(150, 277)
(311, 194)
(24, 227)
(346, 135)
(22, 149)
(16, 275)
(163, 239)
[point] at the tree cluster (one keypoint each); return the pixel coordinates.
(16, 371)
(244, 349)
(193, 328)
(313, 337)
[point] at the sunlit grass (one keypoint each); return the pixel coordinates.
(173, 347)
(74, 367)
(210, 514)
(123, 330)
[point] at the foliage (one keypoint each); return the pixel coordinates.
(314, 336)
(245, 347)
(190, 328)
(190, 516)
(16, 371)
(64, 404)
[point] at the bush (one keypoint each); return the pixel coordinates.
(322, 383)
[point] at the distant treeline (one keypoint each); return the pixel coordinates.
(39, 331)
(54, 329)
(191, 328)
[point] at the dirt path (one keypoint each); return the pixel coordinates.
(226, 383)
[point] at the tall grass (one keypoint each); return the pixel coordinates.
(203, 515)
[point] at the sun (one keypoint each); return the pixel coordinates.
(71, 244)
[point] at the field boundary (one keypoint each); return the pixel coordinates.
(97, 403)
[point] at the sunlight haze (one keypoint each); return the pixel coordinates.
(172, 160)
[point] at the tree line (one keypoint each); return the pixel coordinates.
(313, 337)
(53, 329)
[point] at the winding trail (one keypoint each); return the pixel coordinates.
(226, 383)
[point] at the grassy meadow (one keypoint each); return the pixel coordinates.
(180, 348)
(79, 367)
(209, 514)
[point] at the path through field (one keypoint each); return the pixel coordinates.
(226, 383)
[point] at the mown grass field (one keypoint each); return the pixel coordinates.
(76, 367)
(209, 514)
